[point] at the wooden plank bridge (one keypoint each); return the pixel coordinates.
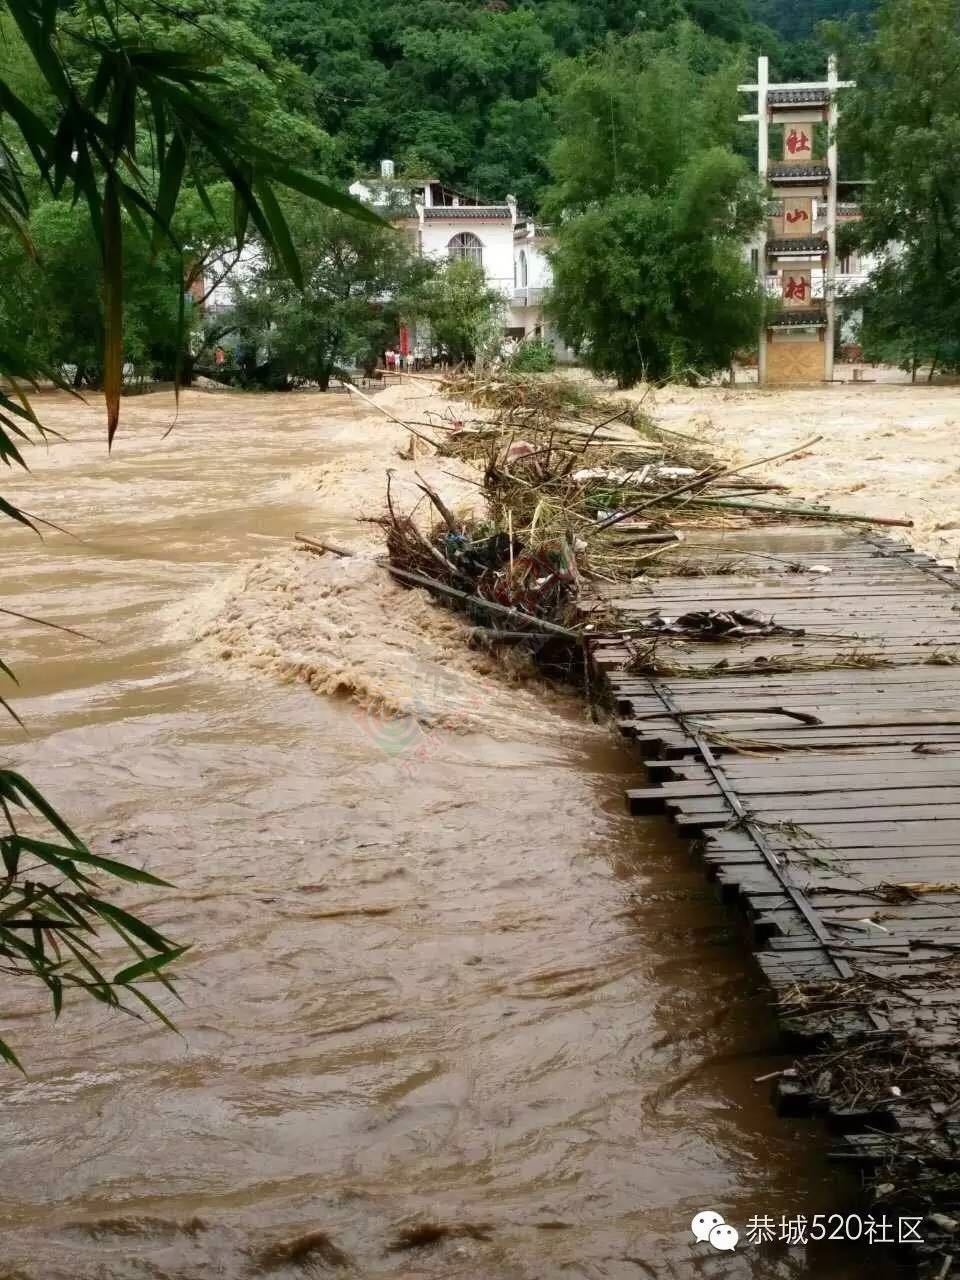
(814, 753)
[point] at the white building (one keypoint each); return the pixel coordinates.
(532, 278)
(446, 223)
(442, 223)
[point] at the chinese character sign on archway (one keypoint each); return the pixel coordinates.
(797, 289)
(797, 216)
(798, 143)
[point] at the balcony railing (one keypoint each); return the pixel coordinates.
(528, 297)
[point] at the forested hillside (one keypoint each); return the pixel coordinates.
(797, 19)
(465, 90)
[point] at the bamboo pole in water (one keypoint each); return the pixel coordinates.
(515, 615)
(314, 544)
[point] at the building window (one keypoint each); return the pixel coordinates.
(522, 264)
(467, 247)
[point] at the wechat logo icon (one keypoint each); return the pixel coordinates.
(708, 1226)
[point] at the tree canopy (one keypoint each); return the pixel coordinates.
(904, 119)
(798, 19)
(465, 315)
(466, 91)
(652, 209)
(357, 279)
(61, 290)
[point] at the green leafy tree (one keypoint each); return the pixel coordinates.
(796, 20)
(652, 210)
(465, 315)
(533, 356)
(902, 323)
(355, 279)
(264, 97)
(55, 299)
(904, 119)
(521, 134)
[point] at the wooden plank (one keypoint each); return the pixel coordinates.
(797, 699)
(828, 720)
(925, 931)
(845, 837)
(753, 772)
(921, 697)
(849, 737)
(876, 788)
(753, 654)
(814, 822)
(807, 801)
(841, 592)
(842, 717)
(924, 741)
(876, 783)
(798, 683)
(707, 664)
(931, 679)
(889, 621)
(861, 870)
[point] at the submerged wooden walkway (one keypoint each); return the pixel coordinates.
(820, 773)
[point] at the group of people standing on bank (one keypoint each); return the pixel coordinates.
(399, 361)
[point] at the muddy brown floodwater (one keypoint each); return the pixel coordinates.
(473, 992)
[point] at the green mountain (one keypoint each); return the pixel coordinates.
(797, 19)
(464, 90)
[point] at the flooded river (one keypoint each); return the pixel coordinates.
(465, 990)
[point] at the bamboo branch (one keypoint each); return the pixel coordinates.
(448, 516)
(355, 391)
(809, 513)
(314, 544)
(516, 615)
(703, 479)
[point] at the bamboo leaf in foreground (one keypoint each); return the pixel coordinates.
(53, 908)
(53, 912)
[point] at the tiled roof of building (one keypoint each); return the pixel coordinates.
(484, 212)
(797, 97)
(777, 172)
(795, 319)
(799, 244)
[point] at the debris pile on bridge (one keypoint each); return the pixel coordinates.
(578, 488)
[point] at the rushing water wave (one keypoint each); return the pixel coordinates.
(457, 988)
